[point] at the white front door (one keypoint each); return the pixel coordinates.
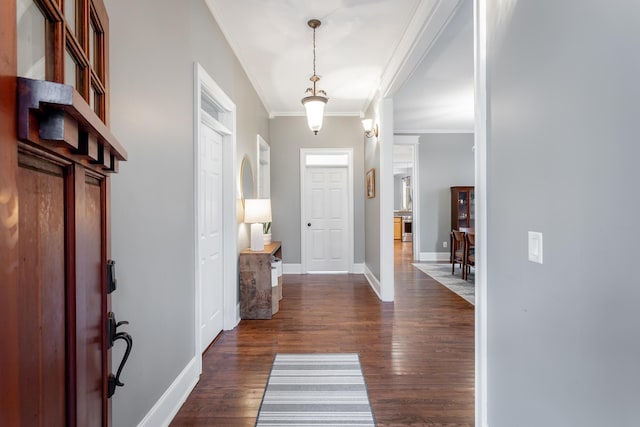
(325, 199)
(210, 236)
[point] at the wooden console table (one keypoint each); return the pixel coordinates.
(256, 293)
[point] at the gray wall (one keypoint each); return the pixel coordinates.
(372, 206)
(152, 56)
(562, 159)
(446, 160)
(288, 135)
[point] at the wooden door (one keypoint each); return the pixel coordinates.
(41, 286)
(62, 302)
(91, 302)
(56, 156)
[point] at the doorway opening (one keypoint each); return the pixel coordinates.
(406, 195)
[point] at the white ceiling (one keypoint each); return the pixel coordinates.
(362, 45)
(439, 96)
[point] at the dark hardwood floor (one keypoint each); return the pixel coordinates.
(417, 353)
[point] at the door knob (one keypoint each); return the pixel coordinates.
(308, 224)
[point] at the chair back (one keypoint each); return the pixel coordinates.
(457, 246)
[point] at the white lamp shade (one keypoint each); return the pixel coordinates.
(314, 105)
(257, 210)
(367, 124)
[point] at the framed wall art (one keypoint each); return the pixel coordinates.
(371, 183)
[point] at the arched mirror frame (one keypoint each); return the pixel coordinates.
(247, 180)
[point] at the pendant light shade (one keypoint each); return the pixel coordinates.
(314, 105)
(317, 99)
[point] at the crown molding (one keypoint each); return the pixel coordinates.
(428, 131)
(326, 114)
(421, 34)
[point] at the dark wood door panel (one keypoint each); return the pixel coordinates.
(90, 312)
(41, 293)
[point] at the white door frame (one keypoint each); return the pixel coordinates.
(414, 142)
(263, 150)
(226, 125)
(481, 309)
(350, 205)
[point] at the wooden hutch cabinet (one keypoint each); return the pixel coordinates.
(462, 207)
(57, 155)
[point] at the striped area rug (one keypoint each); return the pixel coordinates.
(316, 390)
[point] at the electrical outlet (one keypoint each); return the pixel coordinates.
(445, 244)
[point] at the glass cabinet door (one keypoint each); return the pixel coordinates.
(472, 209)
(463, 209)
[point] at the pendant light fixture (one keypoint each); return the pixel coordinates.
(315, 102)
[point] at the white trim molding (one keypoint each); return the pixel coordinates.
(350, 204)
(481, 84)
(385, 180)
(373, 281)
(419, 132)
(434, 256)
(429, 19)
(166, 408)
(414, 142)
(226, 125)
(291, 268)
(358, 268)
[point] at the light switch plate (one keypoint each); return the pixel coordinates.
(535, 247)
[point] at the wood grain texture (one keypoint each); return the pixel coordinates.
(41, 293)
(9, 313)
(417, 353)
(89, 295)
(256, 294)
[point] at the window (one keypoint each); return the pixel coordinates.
(64, 41)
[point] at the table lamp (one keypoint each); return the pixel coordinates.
(256, 212)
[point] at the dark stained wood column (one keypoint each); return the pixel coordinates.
(9, 356)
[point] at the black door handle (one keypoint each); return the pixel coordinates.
(114, 381)
(308, 224)
(112, 337)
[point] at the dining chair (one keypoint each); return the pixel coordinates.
(469, 254)
(457, 250)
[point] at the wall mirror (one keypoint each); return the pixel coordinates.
(264, 169)
(246, 179)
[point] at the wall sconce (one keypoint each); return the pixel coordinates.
(370, 130)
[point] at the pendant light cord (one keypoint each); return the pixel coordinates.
(314, 52)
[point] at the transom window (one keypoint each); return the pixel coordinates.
(64, 41)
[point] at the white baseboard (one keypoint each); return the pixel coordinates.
(297, 268)
(170, 402)
(291, 268)
(435, 256)
(358, 268)
(237, 318)
(373, 281)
